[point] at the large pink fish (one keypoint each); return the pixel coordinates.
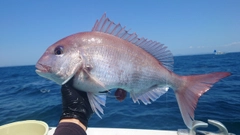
(109, 57)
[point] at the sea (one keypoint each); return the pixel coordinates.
(26, 96)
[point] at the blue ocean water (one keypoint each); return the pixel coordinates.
(24, 95)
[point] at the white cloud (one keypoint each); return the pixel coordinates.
(233, 44)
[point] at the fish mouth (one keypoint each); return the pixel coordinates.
(40, 68)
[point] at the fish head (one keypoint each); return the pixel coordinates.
(60, 61)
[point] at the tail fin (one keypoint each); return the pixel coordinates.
(191, 89)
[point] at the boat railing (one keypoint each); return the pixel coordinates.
(222, 130)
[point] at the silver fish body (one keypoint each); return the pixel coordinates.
(116, 63)
(109, 57)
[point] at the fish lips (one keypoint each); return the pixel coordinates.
(46, 72)
(40, 68)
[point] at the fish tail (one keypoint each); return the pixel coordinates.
(190, 89)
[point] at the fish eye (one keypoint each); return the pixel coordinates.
(58, 50)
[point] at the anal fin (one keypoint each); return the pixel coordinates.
(149, 96)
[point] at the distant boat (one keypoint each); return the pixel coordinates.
(218, 52)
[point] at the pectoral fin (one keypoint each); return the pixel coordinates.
(92, 78)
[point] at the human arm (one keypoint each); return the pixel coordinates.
(76, 107)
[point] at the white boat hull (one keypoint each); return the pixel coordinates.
(122, 131)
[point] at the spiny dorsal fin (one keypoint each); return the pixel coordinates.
(156, 49)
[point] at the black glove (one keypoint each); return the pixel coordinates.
(75, 104)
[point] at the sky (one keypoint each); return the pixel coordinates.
(29, 27)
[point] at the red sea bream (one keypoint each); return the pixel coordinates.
(109, 57)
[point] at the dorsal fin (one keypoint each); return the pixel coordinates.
(156, 49)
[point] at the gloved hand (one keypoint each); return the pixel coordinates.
(75, 104)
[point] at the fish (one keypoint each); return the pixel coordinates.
(110, 57)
